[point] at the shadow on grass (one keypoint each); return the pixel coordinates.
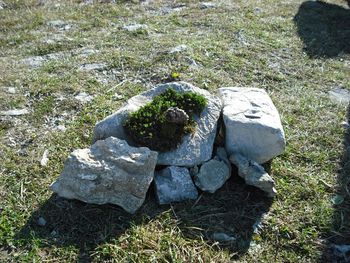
(233, 210)
(337, 247)
(324, 28)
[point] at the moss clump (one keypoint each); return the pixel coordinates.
(149, 127)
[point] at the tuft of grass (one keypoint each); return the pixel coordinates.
(150, 127)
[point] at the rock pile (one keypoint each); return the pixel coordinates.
(114, 171)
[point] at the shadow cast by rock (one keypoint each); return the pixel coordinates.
(84, 226)
(233, 210)
(324, 28)
(337, 246)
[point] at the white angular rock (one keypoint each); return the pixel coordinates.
(254, 174)
(178, 49)
(45, 158)
(207, 5)
(14, 112)
(2, 5)
(252, 124)
(11, 90)
(214, 173)
(339, 95)
(135, 27)
(93, 67)
(174, 184)
(110, 171)
(195, 148)
(84, 97)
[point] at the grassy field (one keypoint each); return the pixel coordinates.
(51, 51)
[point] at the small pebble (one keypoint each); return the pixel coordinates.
(222, 237)
(135, 27)
(178, 49)
(41, 221)
(11, 90)
(45, 159)
(83, 97)
(345, 125)
(207, 5)
(117, 96)
(14, 112)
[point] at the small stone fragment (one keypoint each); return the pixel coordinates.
(117, 96)
(87, 52)
(340, 95)
(93, 66)
(11, 90)
(59, 24)
(41, 221)
(178, 49)
(14, 112)
(2, 5)
(222, 237)
(254, 174)
(44, 160)
(135, 27)
(84, 97)
(61, 128)
(345, 125)
(176, 115)
(214, 173)
(174, 184)
(207, 5)
(110, 171)
(87, 2)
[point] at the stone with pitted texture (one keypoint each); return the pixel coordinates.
(110, 171)
(252, 124)
(174, 184)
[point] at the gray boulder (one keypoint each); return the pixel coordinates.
(254, 174)
(252, 124)
(174, 184)
(109, 172)
(195, 148)
(214, 173)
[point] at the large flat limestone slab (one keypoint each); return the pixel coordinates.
(195, 149)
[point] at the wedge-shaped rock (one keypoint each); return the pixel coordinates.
(174, 184)
(195, 148)
(254, 174)
(252, 124)
(214, 173)
(109, 172)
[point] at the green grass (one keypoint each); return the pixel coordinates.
(238, 43)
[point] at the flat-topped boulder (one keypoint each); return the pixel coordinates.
(252, 124)
(195, 149)
(110, 171)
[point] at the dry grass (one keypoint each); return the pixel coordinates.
(238, 43)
